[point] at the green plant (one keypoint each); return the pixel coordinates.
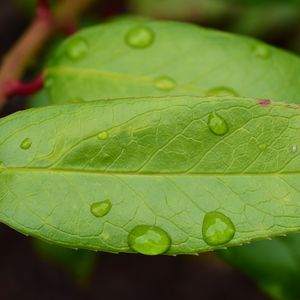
(157, 138)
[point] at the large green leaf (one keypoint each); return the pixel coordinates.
(201, 172)
(134, 57)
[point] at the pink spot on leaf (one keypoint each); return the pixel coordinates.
(264, 102)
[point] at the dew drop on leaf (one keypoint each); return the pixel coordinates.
(222, 91)
(217, 229)
(217, 124)
(77, 48)
(139, 37)
(262, 51)
(165, 83)
(149, 240)
(262, 147)
(26, 144)
(101, 208)
(49, 81)
(294, 149)
(76, 100)
(103, 135)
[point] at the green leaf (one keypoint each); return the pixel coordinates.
(106, 62)
(275, 265)
(165, 167)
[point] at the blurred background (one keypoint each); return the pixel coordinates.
(31, 269)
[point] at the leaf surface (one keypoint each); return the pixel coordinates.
(180, 59)
(159, 164)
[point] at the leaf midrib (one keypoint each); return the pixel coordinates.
(120, 173)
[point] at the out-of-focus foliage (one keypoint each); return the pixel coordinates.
(79, 263)
(275, 265)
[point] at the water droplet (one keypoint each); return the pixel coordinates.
(149, 240)
(76, 100)
(77, 48)
(262, 147)
(49, 81)
(165, 83)
(217, 124)
(26, 144)
(103, 135)
(101, 208)
(262, 50)
(217, 229)
(294, 149)
(140, 37)
(222, 91)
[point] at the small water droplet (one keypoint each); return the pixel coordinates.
(149, 240)
(165, 83)
(76, 100)
(294, 149)
(217, 229)
(262, 147)
(140, 37)
(217, 124)
(262, 50)
(222, 91)
(26, 144)
(103, 135)
(49, 81)
(101, 208)
(77, 48)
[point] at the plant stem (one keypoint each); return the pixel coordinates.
(42, 28)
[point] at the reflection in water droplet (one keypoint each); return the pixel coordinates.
(101, 208)
(103, 135)
(149, 240)
(26, 144)
(165, 83)
(217, 229)
(217, 124)
(140, 37)
(262, 50)
(77, 48)
(294, 149)
(222, 91)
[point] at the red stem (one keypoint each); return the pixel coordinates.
(15, 87)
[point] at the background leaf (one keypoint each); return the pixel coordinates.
(176, 59)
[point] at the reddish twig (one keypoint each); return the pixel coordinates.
(42, 28)
(15, 87)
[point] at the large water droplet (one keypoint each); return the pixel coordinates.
(149, 240)
(217, 229)
(77, 48)
(103, 135)
(26, 144)
(217, 124)
(165, 83)
(222, 91)
(294, 149)
(262, 50)
(140, 37)
(101, 208)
